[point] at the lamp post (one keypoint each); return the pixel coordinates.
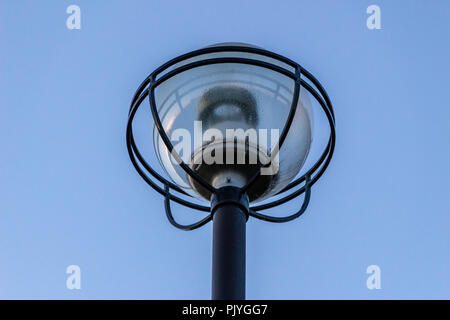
(232, 126)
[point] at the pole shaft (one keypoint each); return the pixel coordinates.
(228, 265)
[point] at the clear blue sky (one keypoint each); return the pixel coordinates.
(69, 194)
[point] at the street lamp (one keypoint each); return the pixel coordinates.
(233, 127)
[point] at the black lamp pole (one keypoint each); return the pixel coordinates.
(230, 214)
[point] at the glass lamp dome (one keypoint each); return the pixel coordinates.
(224, 121)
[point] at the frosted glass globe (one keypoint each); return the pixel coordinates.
(224, 120)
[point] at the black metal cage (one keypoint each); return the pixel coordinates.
(167, 188)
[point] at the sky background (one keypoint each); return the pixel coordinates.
(70, 196)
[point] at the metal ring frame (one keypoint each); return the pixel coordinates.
(147, 89)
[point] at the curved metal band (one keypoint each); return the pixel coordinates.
(225, 48)
(284, 133)
(186, 227)
(264, 217)
(323, 162)
(132, 155)
(141, 158)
